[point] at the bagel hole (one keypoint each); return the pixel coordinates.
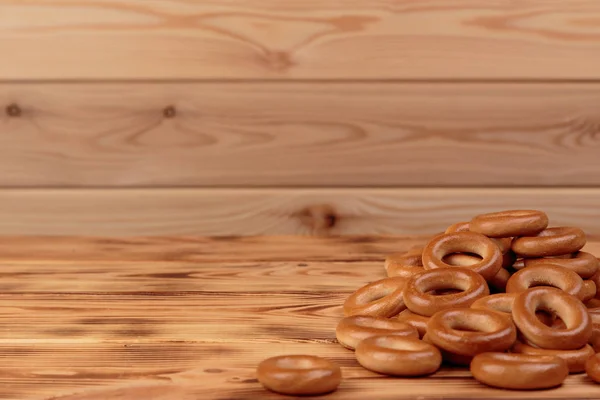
(481, 247)
(550, 318)
(444, 285)
(546, 317)
(541, 282)
(443, 292)
(464, 327)
(462, 259)
(559, 324)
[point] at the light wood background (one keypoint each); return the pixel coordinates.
(239, 117)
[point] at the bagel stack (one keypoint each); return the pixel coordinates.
(504, 294)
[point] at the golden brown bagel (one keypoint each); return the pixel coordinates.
(404, 265)
(419, 301)
(568, 308)
(546, 275)
(592, 368)
(299, 375)
(352, 330)
(382, 298)
(550, 242)
(396, 355)
(519, 371)
(510, 223)
(575, 359)
(582, 263)
(419, 322)
(464, 242)
(470, 331)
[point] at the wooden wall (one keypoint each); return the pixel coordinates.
(137, 117)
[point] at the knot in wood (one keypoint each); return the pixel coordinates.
(319, 218)
(170, 112)
(13, 110)
(278, 61)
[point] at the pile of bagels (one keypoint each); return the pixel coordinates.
(503, 294)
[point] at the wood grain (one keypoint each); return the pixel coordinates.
(75, 338)
(189, 371)
(53, 250)
(302, 134)
(149, 212)
(270, 39)
(205, 317)
(142, 277)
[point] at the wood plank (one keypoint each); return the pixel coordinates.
(189, 371)
(149, 212)
(274, 314)
(182, 277)
(309, 134)
(238, 313)
(53, 250)
(271, 39)
(49, 371)
(203, 317)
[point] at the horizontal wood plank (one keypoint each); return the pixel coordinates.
(298, 39)
(205, 317)
(150, 212)
(188, 371)
(313, 134)
(54, 250)
(183, 277)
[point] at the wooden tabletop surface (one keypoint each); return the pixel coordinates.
(190, 318)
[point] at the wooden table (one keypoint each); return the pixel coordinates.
(190, 318)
